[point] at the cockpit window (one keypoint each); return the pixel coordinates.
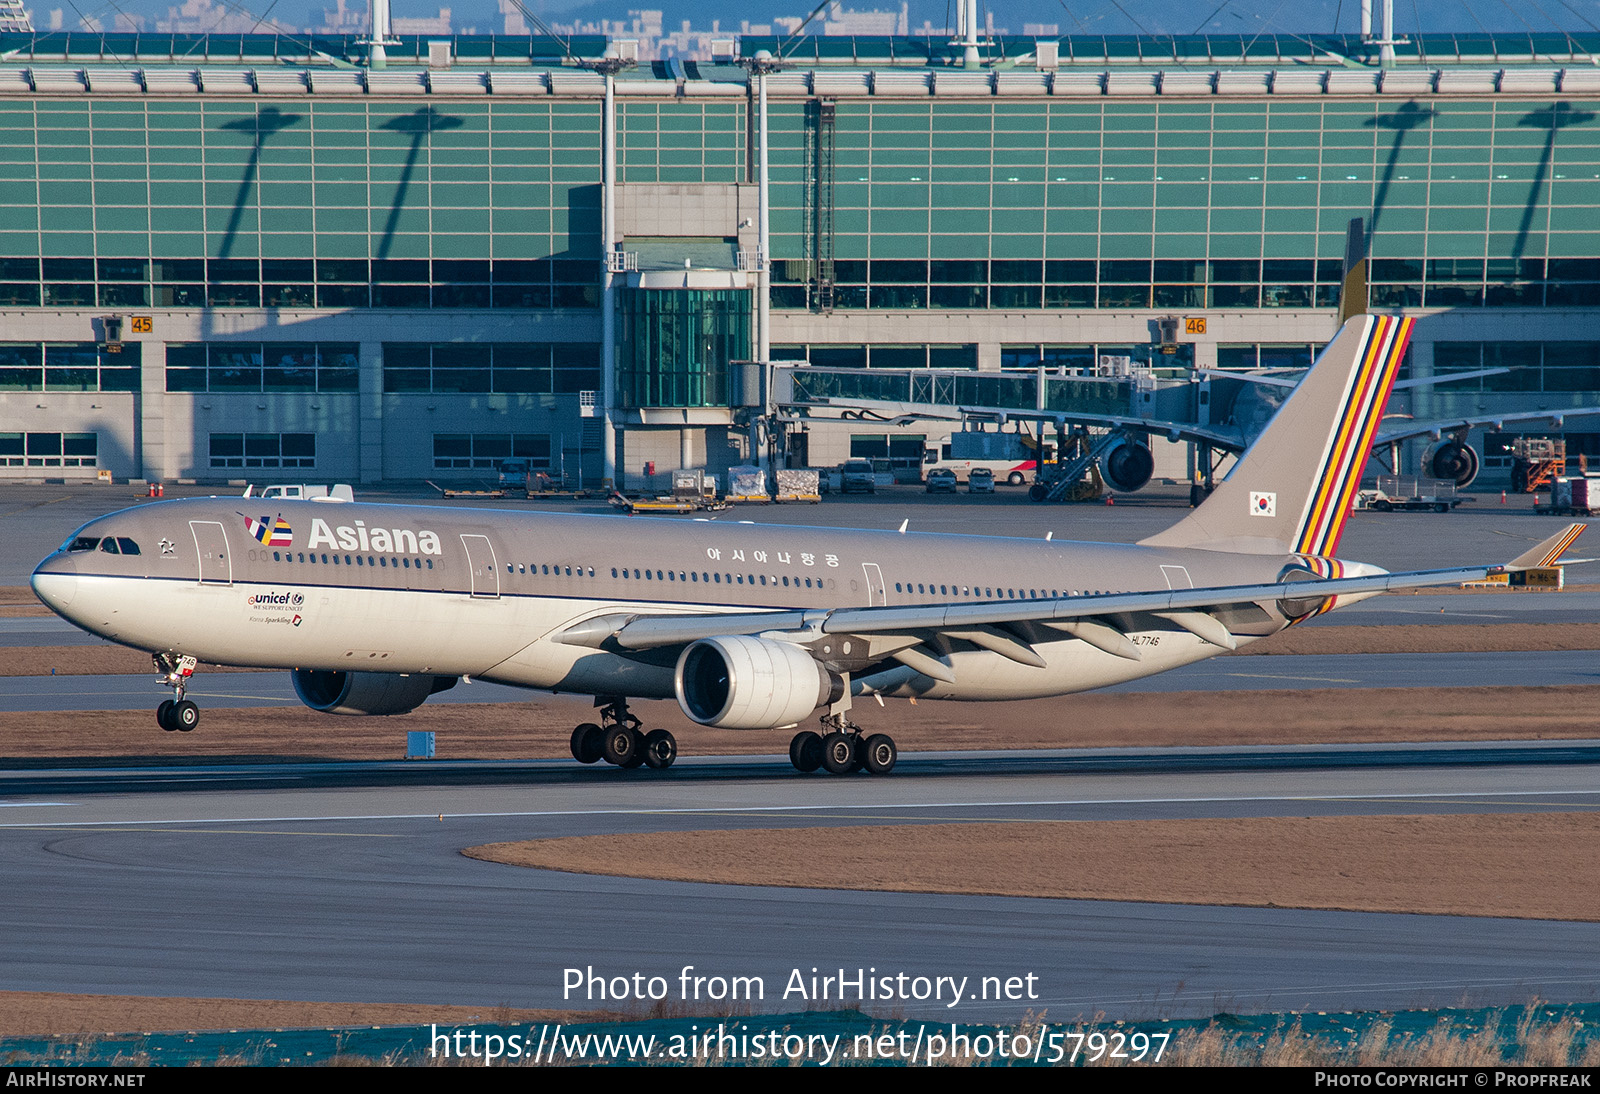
(109, 546)
(129, 547)
(84, 543)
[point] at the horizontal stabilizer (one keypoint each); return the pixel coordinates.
(1546, 553)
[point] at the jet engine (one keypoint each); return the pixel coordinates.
(1128, 466)
(1454, 460)
(741, 682)
(366, 692)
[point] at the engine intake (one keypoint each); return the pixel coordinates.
(1453, 460)
(740, 682)
(366, 692)
(1128, 466)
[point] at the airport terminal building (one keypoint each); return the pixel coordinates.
(262, 257)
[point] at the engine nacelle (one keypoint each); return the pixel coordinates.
(1452, 460)
(366, 692)
(740, 682)
(1128, 466)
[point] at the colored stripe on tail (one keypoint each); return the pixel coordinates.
(1340, 477)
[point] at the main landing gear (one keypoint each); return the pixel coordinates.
(176, 713)
(619, 740)
(842, 749)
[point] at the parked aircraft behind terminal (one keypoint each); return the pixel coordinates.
(376, 607)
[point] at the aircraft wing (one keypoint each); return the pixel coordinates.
(1405, 429)
(1078, 616)
(654, 631)
(1225, 437)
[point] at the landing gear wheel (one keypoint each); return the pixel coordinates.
(637, 759)
(805, 751)
(878, 753)
(660, 749)
(839, 753)
(184, 716)
(164, 715)
(586, 743)
(619, 745)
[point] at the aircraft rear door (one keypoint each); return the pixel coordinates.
(481, 563)
(211, 545)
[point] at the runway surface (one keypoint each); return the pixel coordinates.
(344, 882)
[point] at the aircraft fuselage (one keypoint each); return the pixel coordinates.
(486, 594)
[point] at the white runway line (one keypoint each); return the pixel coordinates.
(734, 810)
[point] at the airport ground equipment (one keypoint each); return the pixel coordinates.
(1075, 474)
(799, 484)
(692, 491)
(1575, 495)
(1536, 462)
(1409, 493)
(747, 483)
(479, 491)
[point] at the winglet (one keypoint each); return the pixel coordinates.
(1353, 296)
(1546, 553)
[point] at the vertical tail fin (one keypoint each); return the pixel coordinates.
(1292, 489)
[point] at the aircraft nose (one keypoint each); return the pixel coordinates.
(55, 582)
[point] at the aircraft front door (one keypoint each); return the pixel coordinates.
(875, 590)
(211, 545)
(481, 562)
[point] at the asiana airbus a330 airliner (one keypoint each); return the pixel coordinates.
(376, 607)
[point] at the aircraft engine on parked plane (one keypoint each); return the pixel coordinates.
(742, 682)
(366, 692)
(1453, 460)
(1128, 466)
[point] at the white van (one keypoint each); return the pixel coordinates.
(298, 491)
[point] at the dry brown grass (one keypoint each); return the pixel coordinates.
(540, 729)
(86, 1017)
(1513, 865)
(1535, 1043)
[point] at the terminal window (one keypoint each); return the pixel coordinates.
(264, 450)
(485, 451)
(68, 366)
(263, 366)
(49, 449)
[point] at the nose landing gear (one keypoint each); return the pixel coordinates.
(176, 713)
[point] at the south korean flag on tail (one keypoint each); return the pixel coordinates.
(1263, 504)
